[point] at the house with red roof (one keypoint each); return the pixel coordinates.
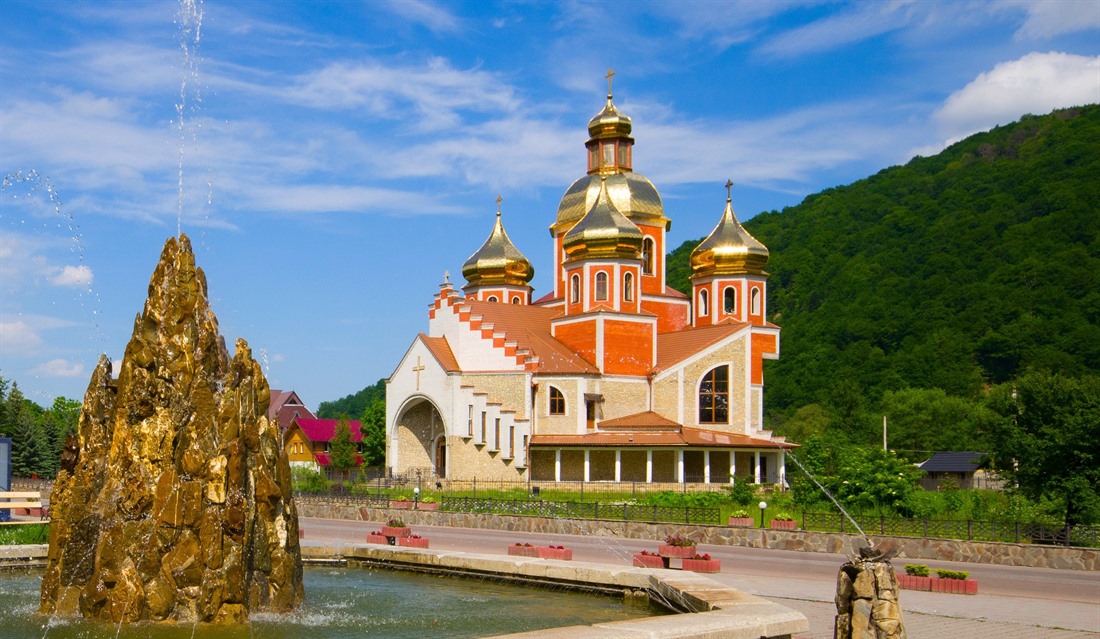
(611, 376)
(307, 443)
(284, 407)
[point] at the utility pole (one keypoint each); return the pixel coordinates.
(884, 433)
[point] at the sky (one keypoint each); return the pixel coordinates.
(331, 161)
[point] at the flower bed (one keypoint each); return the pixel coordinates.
(402, 504)
(376, 537)
(523, 550)
(675, 552)
(413, 541)
(555, 552)
(950, 581)
(784, 524)
(428, 505)
(742, 522)
(702, 563)
(396, 531)
(645, 559)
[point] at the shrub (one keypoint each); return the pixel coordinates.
(916, 570)
(677, 540)
(781, 516)
(740, 512)
(742, 493)
(396, 523)
(704, 556)
(952, 574)
(307, 480)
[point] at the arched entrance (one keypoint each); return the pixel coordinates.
(414, 444)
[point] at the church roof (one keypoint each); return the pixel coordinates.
(603, 232)
(441, 350)
(529, 328)
(646, 420)
(729, 249)
(498, 261)
(686, 436)
(677, 346)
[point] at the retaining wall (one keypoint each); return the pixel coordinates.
(1031, 555)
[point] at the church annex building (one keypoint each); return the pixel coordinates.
(613, 375)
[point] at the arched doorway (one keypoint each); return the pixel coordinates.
(441, 457)
(414, 439)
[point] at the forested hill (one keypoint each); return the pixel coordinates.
(951, 272)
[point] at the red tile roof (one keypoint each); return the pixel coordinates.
(675, 347)
(641, 421)
(442, 352)
(685, 437)
(529, 328)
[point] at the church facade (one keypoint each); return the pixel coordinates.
(611, 376)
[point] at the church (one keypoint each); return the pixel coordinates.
(611, 376)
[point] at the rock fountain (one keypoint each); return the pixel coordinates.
(174, 502)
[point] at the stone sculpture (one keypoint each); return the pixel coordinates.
(867, 596)
(174, 503)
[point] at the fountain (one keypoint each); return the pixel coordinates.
(174, 502)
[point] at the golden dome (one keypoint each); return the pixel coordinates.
(631, 193)
(609, 123)
(729, 249)
(498, 261)
(603, 232)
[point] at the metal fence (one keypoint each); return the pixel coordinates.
(584, 510)
(968, 529)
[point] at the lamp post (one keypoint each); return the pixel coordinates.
(416, 498)
(763, 508)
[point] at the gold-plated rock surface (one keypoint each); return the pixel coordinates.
(157, 508)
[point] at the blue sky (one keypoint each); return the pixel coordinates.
(338, 157)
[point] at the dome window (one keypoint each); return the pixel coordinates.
(628, 287)
(601, 286)
(729, 300)
(704, 306)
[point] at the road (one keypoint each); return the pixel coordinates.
(1015, 603)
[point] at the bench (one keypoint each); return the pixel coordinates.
(29, 501)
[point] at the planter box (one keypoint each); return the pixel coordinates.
(938, 584)
(402, 505)
(565, 554)
(396, 531)
(378, 539)
(677, 552)
(703, 565)
(523, 551)
(410, 542)
(428, 506)
(742, 522)
(648, 561)
(782, 524)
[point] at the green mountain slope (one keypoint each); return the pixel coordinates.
(951, 272)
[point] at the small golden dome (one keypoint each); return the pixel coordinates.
(610, 122)
(603, 232)
(631, 193)
(498, 261)
(729, 249)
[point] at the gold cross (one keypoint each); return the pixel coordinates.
(499, 200)
(610, 74)
(419, 367)
(729, 185)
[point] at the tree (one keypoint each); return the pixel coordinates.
(1047, 442)
(343, 451)
(860, 478)
(374, 433)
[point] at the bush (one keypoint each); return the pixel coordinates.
(952, 574)
(307, 480)
(679, 541)
(916, 570)
(742, 493)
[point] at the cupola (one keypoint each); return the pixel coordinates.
(498, 261)
(603, 232)
(729, 249)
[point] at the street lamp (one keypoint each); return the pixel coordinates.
(763, 507)
(416, 498)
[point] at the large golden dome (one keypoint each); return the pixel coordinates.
(603, 232)
(729, 249)
(631, 193)
(498, 261)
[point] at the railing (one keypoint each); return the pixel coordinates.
(968, 529)
(584, 510)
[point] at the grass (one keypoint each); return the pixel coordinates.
(24, 534)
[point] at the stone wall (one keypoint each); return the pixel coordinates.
(910, 548)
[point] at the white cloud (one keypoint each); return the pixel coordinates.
(59, 368)
(73, 276)
(19, 338)
(1050, 18)
(1036, 83)
(862, 21)
(429, 14)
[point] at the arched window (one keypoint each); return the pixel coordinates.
(557, 402)
(755, 301)
(647, 256)
(516, 300)
(628, 287)
(601, 286)
(714, 396)
(492, 298)
(729, 300)
(575, 289)
(704, 307)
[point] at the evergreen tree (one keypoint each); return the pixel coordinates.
(342, 449)
(374, 433)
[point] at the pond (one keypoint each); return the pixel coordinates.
(349, 602)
